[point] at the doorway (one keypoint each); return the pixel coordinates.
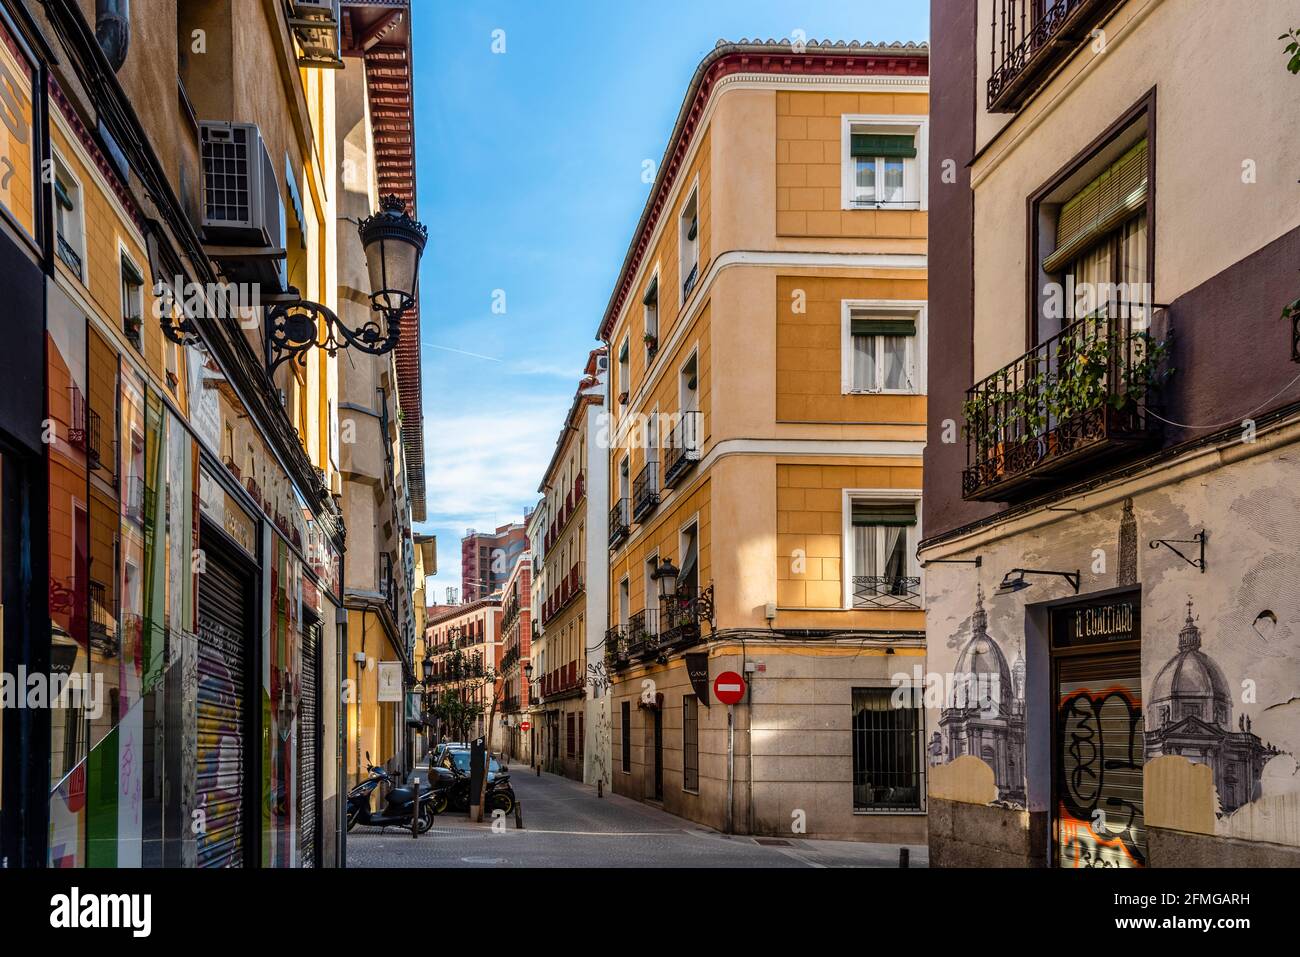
(1097, 734)
(654, 783)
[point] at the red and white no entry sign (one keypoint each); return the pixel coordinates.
(525, 725)
(729, 687)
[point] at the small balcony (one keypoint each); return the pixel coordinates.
(886, 592)
(620, 521)
(643, 633)
(133, 504)
(1078, 398)
(683, 448)
(679, 619)
(1031, 38)
(616, 654)
(645, 491)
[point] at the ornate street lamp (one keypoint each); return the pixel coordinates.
(665, 574)
(394, 243)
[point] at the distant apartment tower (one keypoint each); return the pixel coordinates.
(486, 559)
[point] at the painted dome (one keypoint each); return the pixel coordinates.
(982, 675)
(1190, 684)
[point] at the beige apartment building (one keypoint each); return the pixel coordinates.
(574, 565)
(767, 336)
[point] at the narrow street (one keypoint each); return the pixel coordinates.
(567, 825)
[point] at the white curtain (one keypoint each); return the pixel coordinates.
(864, 363)
(895, 362)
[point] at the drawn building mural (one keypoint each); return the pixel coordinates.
(1219, 655)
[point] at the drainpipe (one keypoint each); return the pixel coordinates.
(113, 30)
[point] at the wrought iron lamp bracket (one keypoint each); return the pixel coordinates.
(294, 329)
(1197, 539)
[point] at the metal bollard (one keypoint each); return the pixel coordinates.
(539, 770)
(519, 815)
(600, 787)
(903, 856)
(415, 812)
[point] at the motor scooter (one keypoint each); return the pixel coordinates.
(398, 805)
(451, 790)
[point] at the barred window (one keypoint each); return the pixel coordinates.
(690, 743)
(569, 736)
(887, 740)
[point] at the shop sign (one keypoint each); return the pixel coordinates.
(390, 681)
(220, 507)
(1097, 623)
(697, 669)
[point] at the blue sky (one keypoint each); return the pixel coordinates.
(529, 170)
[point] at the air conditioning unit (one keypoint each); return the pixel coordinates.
(316, 27)
(241, 204)
(602, 364)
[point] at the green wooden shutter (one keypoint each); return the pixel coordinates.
(652, 292)
(884, 144)
(1101, 206)
(883, 326)
(884, 513)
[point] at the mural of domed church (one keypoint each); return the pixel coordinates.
(1190, 714)
(985, 712)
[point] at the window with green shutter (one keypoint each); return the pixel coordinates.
(883, 352)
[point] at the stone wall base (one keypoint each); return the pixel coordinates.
(983, 835)
(1184, 849)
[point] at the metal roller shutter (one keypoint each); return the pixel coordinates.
(224, 617)
(1099, 756)
(308, 744)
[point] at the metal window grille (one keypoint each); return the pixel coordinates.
(690, 743)
(887, 749)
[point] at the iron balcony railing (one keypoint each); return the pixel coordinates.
(69, 255)
(1082, 394)
(683, 447)
(679, 618)
(643, 632)
(1030, 38)
(886, 591)
(134, 499)
(645, 490)
(616, 647)
(689, 284)
(620, 521)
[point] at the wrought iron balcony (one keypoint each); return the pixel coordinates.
(683, 447)
(620, 521)
(643, 633)
(680, 616)
(645, 490)
(70, 257)
(616, 649)
(1030, 39)
(886, 591)
(134, 500)
(1079, 396)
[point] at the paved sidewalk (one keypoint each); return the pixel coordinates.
(566, 825)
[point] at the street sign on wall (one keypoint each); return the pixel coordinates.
(525, 725)
(729, 687)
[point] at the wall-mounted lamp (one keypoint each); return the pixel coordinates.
(1014, 580)
(394, 243)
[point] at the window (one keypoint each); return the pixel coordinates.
(132, 302)
(689, 243)
(69, 229)
(623, 601)
(569, 734)
(882, 543)
(882, 345)
(651, 303)
(884, 162)
(688, 578)
(624, 373)
(18, 141)
(1101, 239)
(690, 743)
(887, 749)
(626, 746)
